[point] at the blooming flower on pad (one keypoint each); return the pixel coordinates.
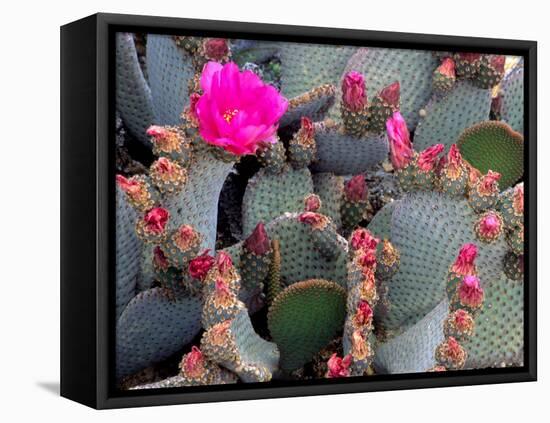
(237, 110)
(401, 152)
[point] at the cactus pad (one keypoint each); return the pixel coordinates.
(329, 188)
(494, 146)
(304, 318)
(511, 91)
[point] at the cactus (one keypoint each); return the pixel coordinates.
(406, 294)
(304, 318)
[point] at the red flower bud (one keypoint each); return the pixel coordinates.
(469, 292)
(354, 93)
(216, 48)
(356, 189)
(447, 67)
(156, 219)
(401, 151)
(258, 241)
(312, 203)
(465, 262)
(223, 262)
(192, 364)
(159, 258)
(488, 184)
(363, 315)
(200, 265)
(391, 93)
(307, 128)
(428, 158)
(338, 367)
(362, 239)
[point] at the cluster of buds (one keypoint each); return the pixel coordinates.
(302, 148)
(484, 70)
(360, 116)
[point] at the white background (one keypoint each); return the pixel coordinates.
(29, 212)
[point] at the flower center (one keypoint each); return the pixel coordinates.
(229, 115)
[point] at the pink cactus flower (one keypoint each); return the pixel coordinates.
(490, 225)
(447, 67)
(391, 94)
(362, 239)
(193, 363)
(156, 219)
(201, 265)
(354, 93)
(469, 292)
(258, 241)
(223, 262)
(237, 110)
(355, 189)
(401, 151)
(363, 315)
(159, 258)
(307, 128)
(488, 184)
(216, 48)
(312, 203)
(465, 262)
(338, 367)
(517, 202)
(428, 158)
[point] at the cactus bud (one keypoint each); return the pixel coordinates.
(366, 259)
(315, 220)
(354, 93)
(216, 49)
(470, 292)
(489, 226)
(192, 364)
(302, 148)
(355, 189)
(488, 184)
(444, 76)
(306, 127)
(459, 324)
(164, 140)
(362, 239)
(451, 354)
(159, 259)
(360, 348)
(447, 67)
(465, 262)
(338, 367)
(191, 111)
(428, 158)
(401, 152)
(312, 203)
(200, 266)
(138, 192)
(168, 176)
(363, 315)
(391, 94)
(223, 262)
(258, 242)
(388, 260)
(497, 62)
(156, 219)
(518, 199)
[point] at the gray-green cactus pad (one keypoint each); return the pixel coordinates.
(268, 195)
(511, 90)
(345, 155)
(312, 104)
(128, 252)
(154, 326)
(305, 66)
(329, 188)
(133, 96)
(169, 69)
(380, 225)
(413, 350)
(448, 116)
(429, 228)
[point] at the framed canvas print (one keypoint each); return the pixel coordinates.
(256, 211)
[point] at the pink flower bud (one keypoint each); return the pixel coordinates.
(488, 184)
(156, 219)
(401, 152)
(159, 258)
(447, 67)
(356, 189)
(454, 351)
(186, 237)
(157, 132)
(200, 265)
(517, 202)
(428, 158)
(469, 292)
(193, 100)
(363, 315)
(366, 259)
(497, 62)
(312, 203)
(163, 166)
(307, 128)
(390, 94)
(192, 364)
(489, 225)
(354, 93)
(216, 48)
(132, 187)
(338, 367)
(312, 219)
(258, 241)
(463, 321)
(362, 239)
(465, 262)
(223, 262)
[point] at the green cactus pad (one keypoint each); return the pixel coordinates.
(446, 118)
(428, 229)
(413, 350)
(169, 69)
(494, 146)
(511, 91)
(305, 66)
(197, 203)
(412, 68)
(304, 318)
(344, 155)
(133, 96)
(313, 104)
(128, 252)
(268, 196)
(498, 337)
(153, 326)
(329, 188)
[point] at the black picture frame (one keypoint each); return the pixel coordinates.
(87, 210)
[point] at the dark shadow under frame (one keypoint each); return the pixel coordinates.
(88, 214)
